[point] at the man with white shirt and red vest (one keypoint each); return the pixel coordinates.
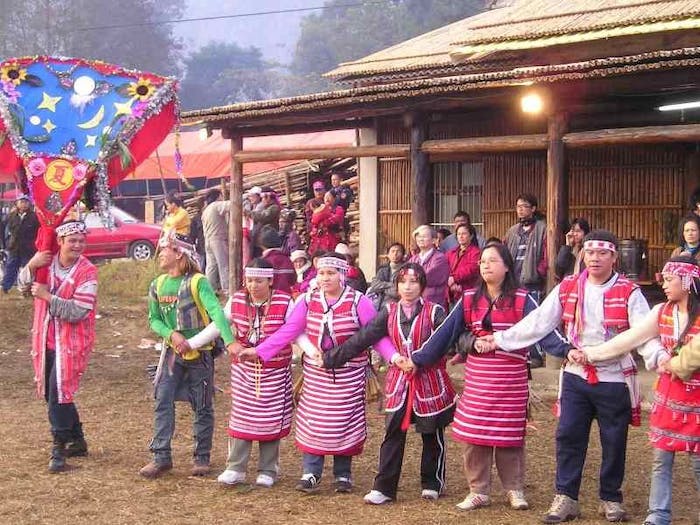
(594, 306)
(261, 393)
(63, 334)
(425, 397)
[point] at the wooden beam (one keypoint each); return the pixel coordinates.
(235, 225)
(420, 171)
(643, 135)
(557, 191)
(486, 144)
(323, 152)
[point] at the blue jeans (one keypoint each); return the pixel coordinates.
(662, 484)
(313, 464)
(581, 402)
(195, 378)
(14, 263)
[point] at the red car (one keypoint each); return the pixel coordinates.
(129, 238)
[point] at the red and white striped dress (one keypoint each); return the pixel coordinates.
(330, 416)
(261, 394)
(492, 410)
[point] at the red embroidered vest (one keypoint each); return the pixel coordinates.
(504, 314)
(614, 303)
(433, 388)
(668, 335)
(243, 315)
(339, 322)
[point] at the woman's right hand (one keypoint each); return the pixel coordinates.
(570, 238)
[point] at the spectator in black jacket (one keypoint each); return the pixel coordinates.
(22, 227)
(568, 260)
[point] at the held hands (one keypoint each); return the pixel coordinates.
(247, 354)
(316, 357)
(485, 343)
(405, 364)
(577, 356)
(41, 291)
(662, 365)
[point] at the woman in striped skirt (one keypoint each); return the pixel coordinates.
(491, 414)
(330, 416)
(261, 407)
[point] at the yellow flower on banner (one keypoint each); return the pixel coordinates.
(143, 89)
(13, 73)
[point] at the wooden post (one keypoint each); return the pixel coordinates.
(235, 225)
(368, 172)
(420, 171)
(288, 188)
(557, 190)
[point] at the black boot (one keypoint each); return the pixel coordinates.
(77, 446)
(57, 463)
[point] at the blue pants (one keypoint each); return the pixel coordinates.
(14, 263)
(195, 379)
(313, 464)
(581, 402)
(662, 485)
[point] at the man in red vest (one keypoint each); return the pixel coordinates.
(594, 306)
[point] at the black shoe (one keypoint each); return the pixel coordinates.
(309, 483)
(76, 448)
(57, 463)
(343, 485)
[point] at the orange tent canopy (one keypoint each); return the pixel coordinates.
(211, 158)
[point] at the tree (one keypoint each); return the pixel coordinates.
(77, 28)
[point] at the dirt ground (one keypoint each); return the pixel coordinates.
(116, 408)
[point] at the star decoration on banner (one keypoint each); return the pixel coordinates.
(123, 108)
(90, 140)
(49, 102)
(49, 126)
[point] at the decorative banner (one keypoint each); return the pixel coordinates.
(67, 125)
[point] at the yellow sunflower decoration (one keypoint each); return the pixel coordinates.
(13, 73)
(142, 89)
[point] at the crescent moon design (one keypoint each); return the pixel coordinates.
(94, 121)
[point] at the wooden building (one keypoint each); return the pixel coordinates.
(440, 124)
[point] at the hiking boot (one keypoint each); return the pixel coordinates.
(563, 508)
(343, 485)
(76, 448)
(517, 500)
(474, 501)
(154, 469)
(57, 463)
(308, 483)
(201, 468)
(374, 497)
(231, 477)
(612, 510)
(429, 494)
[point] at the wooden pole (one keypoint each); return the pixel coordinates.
(647, 135)
(420, 171)
(486, 144)
(324, 152)
(288, 188)
(235, 225)
(557, 192)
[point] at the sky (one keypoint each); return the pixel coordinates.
(275, 34)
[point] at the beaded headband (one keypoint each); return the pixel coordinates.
(686, 271)
(265, 273)
(410, 272)
(333, 262)
(171, 240)
(70, 228)
(599, 245)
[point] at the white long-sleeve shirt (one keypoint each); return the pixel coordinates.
(548, 316)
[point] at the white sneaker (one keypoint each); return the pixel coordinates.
(264, 480)
(231, 477)
(474, 501)
(517, 500)
(374, 497)
(429, 494)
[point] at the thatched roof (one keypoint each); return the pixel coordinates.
(525, 25)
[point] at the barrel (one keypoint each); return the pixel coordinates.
(634, 260)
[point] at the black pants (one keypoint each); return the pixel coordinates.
(432, 465)
(63, 417)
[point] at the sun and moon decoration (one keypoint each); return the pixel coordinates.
(69, 126)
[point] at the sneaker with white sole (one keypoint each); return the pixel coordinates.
(517, 500)
(429, 494)
(612, 510)
(231, 477)
(263, 480)
(374, 497)
(563, 508)
(308, 483)
(342, 485)
(474, 501)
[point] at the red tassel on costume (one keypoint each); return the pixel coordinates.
(591, 375)
(406, 421)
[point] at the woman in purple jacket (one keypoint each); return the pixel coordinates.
(434, 263)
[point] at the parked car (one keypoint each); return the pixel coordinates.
(129, 237)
